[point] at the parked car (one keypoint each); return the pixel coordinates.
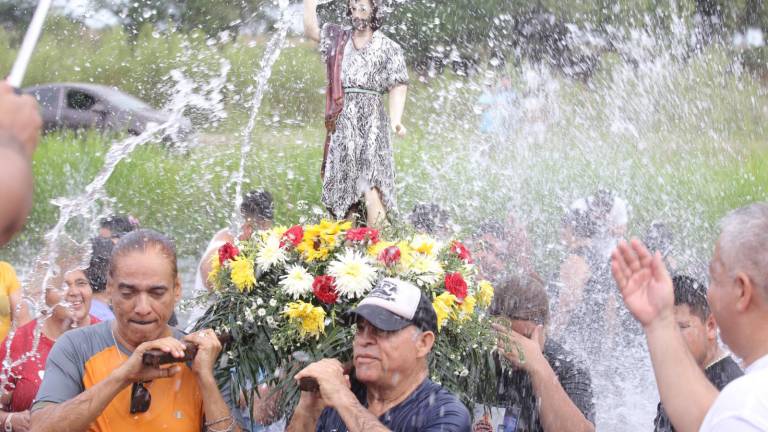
(84, 106)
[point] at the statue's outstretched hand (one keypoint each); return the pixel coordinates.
(399, 130)
(644, 282)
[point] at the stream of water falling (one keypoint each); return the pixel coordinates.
(187, 94)
(271, 53)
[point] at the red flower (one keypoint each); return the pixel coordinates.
(294, 235)
(390, 256)
(363, 234)
(227, 252)
(325, 289)
(459, 249)
(456, 285)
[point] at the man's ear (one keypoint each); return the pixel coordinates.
(177, 289)
(424, 343)
(744, 291)
(711, 326)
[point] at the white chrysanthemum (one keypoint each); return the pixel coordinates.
(297, 282)
(425, 245)
(354, 274)
(426, 269)
(270, 254)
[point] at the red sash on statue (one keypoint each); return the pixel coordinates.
(334, 95)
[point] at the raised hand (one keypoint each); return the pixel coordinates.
(399, 130)
(522, 351)
(644, 282)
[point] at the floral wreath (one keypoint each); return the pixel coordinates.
(282, 294)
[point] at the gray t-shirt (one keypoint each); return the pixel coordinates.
(82, 358)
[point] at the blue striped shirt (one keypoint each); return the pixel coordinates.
(430, 408)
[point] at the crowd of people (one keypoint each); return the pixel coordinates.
(78, 364)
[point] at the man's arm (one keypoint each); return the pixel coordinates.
(685, 391)
(356, 417)
(17, 187)
(205, 266)
(557, 412)
(217, 413)
(78, 413)
(335, 393)
(307, 413)
(311, 26)
(20, 125)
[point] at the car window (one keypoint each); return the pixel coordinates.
(79, 100)
(125, 101)
(47, 97)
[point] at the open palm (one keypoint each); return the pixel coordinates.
(643, 280)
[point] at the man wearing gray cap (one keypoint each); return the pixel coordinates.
(390, 388)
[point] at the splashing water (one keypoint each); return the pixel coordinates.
(659, 123)
(186, 95)
(271, 53)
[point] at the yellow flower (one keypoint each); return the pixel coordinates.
(213, 276)
(406, 254)
(277, 231)
(242, 273)
(375, 249)
(484, 293)
(311, 319)
(320, 239)
(444, 305)
(424, 244)
(467, 307)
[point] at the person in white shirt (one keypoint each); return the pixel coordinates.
(738, 297)
(258, 212)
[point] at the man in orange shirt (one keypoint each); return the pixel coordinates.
(95, 379)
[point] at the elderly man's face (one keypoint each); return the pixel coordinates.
(144, 291)
(386, 358)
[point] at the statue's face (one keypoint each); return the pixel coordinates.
(361, 13)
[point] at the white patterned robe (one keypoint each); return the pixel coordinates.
(360, 153)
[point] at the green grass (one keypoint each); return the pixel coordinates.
(684, 145)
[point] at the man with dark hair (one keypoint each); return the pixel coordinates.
(115, 226)
(20, 125)
(258, 212)
(549, 390)
(699, 330)
(390, 389)
(95, 378)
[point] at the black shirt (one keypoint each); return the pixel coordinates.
(719, 374)
(430, 408)
(517, 395)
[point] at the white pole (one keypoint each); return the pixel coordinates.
(28, 45)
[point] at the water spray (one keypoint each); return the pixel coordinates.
(28, 45)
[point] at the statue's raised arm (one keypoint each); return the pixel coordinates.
(311, 27)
